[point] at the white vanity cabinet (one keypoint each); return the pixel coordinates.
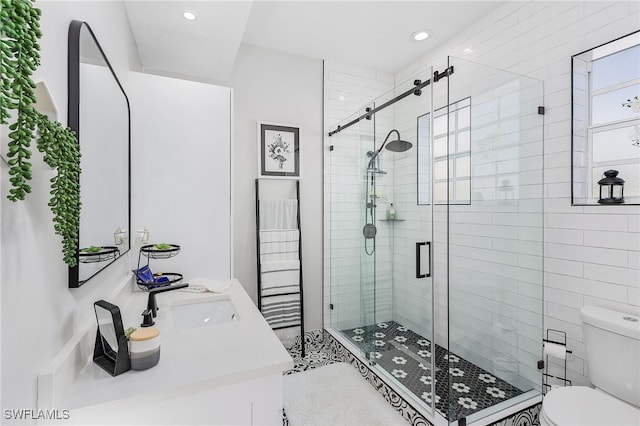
(228, 373)
(250, 402)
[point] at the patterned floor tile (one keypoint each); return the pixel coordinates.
(316, 354)
(462, 388)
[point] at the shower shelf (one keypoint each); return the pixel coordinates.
(391, 220)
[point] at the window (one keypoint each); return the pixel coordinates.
(458, 175)
(606, 118)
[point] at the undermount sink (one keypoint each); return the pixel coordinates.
(202, 313)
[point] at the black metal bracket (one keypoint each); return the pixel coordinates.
(417, 90)
(417, 83)
(540, 365)
(439, 75)
(368, 109)
(330, 147)
(541, 110)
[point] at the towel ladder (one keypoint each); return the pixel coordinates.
(300, 320)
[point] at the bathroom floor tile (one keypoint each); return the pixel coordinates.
(316, 355)
(409, 357)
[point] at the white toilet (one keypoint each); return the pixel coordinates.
(612, 341)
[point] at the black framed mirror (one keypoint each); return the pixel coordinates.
(111, 350)
(100, 115)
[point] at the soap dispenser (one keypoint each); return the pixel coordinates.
(391, 213)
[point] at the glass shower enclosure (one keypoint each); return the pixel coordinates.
(434, 226)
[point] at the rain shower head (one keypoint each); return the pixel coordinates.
(396, 145)
(399, 145)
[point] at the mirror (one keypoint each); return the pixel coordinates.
(111, 351)
(99, 114)
(107, 329)
(606, 119)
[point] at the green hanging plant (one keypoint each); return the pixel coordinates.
(20, 52)
(61, 151)
(19, 58)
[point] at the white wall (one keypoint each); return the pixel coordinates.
(276, 87)
(181, 172)
(39, 312)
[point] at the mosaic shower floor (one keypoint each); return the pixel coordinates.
(407, 356)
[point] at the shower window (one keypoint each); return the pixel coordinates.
(606, 118)
(458, 174)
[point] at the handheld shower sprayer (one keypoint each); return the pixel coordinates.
(397, 145)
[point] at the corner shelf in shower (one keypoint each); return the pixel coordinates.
(391, 220)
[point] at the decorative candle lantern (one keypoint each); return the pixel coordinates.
(611, 188)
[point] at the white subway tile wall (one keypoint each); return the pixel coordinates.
(591, 253)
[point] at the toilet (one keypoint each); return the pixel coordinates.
(612, 342)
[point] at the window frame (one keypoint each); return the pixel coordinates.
(450, 157)
(590, 183)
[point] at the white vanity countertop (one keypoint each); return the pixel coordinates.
(202, 357)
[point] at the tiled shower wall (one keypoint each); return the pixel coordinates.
(591, 253)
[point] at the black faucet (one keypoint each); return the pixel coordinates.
(152, 306)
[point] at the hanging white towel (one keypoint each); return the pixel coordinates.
(279, 277)
(282, 311)
(279, 244)
(278, 214)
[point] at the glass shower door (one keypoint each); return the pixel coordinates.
(495, 245)
(401, 334)
(352, 271)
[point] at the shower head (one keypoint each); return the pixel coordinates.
(396, 145)
(399, 145)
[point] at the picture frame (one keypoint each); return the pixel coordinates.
(278, 151)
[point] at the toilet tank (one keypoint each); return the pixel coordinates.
(612, 342)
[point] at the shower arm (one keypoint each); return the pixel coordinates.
(375, 154)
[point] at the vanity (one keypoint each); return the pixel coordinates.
(220, 362)
(227, 370)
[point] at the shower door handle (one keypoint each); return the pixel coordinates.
(419, 246)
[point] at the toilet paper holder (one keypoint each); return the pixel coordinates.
(555, 345)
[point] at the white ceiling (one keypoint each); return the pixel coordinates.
(369, 34)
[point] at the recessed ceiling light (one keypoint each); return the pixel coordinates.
(188, 15)
(421, 35)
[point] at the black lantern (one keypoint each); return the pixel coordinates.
(611, 188)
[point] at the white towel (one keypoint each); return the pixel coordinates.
(282, 311)
(280, 265)
(278, 214)
(279, 235)
(279, 277)
(203, 285)
(277, 244)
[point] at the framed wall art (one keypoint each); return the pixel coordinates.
(278, 151)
